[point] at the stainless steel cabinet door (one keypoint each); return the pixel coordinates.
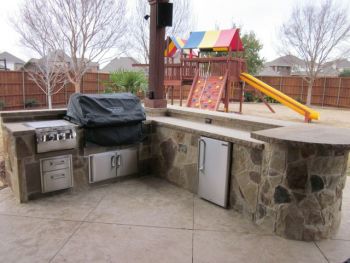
(127, 161)
(213, 170)
(103, 166)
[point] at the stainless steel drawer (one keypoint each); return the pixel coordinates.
(56, 180)
(55, 163)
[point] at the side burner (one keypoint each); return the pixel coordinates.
(54, 135)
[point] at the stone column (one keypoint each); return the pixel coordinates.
(301, 189)
(156, 97)
(303, 176)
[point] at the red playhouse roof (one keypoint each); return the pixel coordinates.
(222, 40)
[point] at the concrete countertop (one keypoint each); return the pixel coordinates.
(213, 131)
(229, 116)
(22, 128)
(306, 134)
(18, 128)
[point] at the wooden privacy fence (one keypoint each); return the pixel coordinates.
(328, 91)
(17, 89)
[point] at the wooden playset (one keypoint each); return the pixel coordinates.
(212, 63)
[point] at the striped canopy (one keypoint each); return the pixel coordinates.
(222, 40)
(175, 43)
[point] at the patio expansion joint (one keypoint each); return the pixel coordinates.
(319, 249)
(234, 231)
(43, 218)
(340, 239)
(136, 225)
(193, 197)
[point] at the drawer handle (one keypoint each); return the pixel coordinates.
(60, 162)
(58, 176)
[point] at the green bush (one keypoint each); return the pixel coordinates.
(126, 81)
(29, 103)
(248, 97)
(345, 73)
(2, 104)
(270, 100)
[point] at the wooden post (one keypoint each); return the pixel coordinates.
(181, 94)
(65, 93)
(181, 72)
(281, 83)
(339, 87)
(172, 95)
(241, 96)
(302, 89)
(324, 90)
(23, 90)
(98, 82)
(155, 98)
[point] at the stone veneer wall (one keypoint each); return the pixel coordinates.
(175, 156)
(245, 181)
(23, 166)
(301, 190)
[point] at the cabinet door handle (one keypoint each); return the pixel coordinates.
(119, 160)
(113, 161)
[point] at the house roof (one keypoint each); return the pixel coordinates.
(122, 63)
(339, 63)
(329, 71)
(286, 61)
(221, 40)
(59, 56)
(9, 57)
(268, 71)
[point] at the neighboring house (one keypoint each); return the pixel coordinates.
(268, 72)
(284, 66)
(293, 66)
(59, 58)
(10, 62)
(335, 67)
(126, 64)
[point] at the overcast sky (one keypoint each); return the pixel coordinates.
(264, 17)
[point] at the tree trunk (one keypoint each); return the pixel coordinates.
(77, 86)
(49, 101)
(309, 92)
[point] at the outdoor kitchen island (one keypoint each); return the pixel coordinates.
(295, 190)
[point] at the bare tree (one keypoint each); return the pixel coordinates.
(139, 32)
(48, 75)
(85, 29)
(316, 34)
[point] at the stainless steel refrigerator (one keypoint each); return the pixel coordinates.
(213, 170)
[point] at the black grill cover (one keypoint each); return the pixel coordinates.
(100, 110)
(108, 119)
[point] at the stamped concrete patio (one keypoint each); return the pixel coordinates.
(148, 220)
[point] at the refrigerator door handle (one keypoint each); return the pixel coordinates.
(113, 161)
(201, 164)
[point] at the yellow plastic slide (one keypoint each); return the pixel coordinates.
(280, 97)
